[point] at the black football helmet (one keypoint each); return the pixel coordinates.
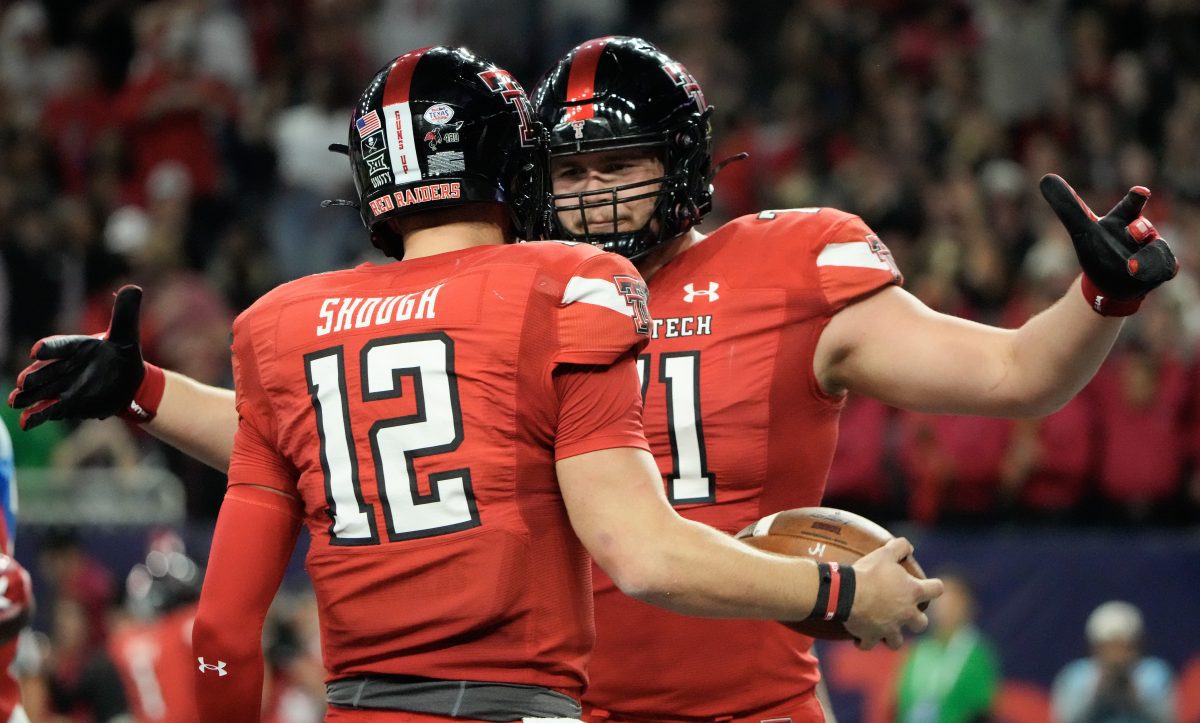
(620, 92)
(438, 127)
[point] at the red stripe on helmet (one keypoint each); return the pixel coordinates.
(581, 84)
(395, 89)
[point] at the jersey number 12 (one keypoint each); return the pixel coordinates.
(434, 428)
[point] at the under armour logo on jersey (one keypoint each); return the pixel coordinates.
(690, 293)
(219, 667)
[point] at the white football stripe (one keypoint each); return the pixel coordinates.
(853, 253)
(595, 291)
(402, 146)
(763, 526)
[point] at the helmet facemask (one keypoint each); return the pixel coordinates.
(682, 192)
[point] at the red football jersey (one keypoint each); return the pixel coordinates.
(740, 429)
(10, 689)
(414, 409)
(156, 665)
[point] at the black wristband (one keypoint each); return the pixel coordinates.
(846, 598)
(825, 576)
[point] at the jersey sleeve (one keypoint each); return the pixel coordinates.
(255, 459)
(253, 540)
(600, 407)
(852, 262)
(604, 312)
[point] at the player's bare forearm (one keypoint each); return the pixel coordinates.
(617, 508)
(894, 348)
(697, 570)
(197, 419)
(1057, 352)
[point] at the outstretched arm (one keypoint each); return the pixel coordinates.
(93, 377)
(197, 419)
(256, 531)
(892, 347)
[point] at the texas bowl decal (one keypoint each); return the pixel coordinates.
(439, 114)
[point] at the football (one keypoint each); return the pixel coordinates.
(824, 534)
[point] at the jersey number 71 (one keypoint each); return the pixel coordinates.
(690, 482)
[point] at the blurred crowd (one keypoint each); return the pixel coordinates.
(180, 144)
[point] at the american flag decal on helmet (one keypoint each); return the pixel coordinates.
(367, 124)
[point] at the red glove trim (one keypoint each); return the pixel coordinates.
(1105, 305)
(149, 394)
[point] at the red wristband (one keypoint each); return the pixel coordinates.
(1105, 305)
(144, 405)
(835, 589)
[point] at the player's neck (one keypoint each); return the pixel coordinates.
(649, 264)
(452, 237)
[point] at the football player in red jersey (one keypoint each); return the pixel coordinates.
(153, 649)
(450, 427)
(760, 328)
(16, 591)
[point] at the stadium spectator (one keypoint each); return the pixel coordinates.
(305, 238)
(860, 478)
(70, 573)
(1117, 683)
(171, 110)
(952, 673)
(82, 682)
(952, 466)
(1140, 398)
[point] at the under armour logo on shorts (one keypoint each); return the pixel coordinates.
(219, 667)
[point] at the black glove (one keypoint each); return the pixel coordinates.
(85, 377)
(1123, 258)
